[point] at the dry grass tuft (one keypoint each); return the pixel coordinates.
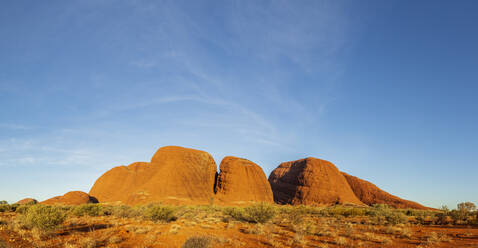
(197, 242)
(87, 242)
(174, 229)
(340, 241)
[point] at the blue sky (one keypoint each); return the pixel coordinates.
(386, 90)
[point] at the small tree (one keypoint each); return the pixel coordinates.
(445, 208)
(466, 207)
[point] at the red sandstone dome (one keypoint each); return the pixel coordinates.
(242, 181)
(311, 181)
(27, 201)
(71, 198)
(370, 194)
(175, 175)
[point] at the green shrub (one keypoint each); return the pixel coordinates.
(122, 211)
(257, 213)
(443, 218)
(197, 242)
(260, 213)
(382, 214)
(23, 208)
(458, 215)
(6, 208)
(159, 213)
(43, 217)
(87, 210)
(3, 202)
(395, 217)
(344, 211)
(381, 206)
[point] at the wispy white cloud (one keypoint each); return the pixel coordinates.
(235, 75)
(46, 151)
(13, 126)
(143, 64)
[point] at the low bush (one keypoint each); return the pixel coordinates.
(197, 242)
(381, 206)
(458, 216)
(23, 208)
(43, 217)
(87, 210)
(344, 211)
(395, 218)
(7, 208)
(159, 213)
(235, 213)
(122, 211)
(383, 214)
(257, 213)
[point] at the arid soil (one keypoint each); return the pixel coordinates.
(289, 227)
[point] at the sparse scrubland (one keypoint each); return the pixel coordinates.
(257, 225)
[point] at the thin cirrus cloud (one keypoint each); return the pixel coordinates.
(112, 90)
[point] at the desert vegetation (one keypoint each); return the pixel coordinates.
(257, 225)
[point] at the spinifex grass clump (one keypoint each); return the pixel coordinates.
(159, 213)
(197, 242)
(122, 211)
(7, 207)
(22, 209)
(343, 211)
(88, 210)
(384, 214)
(257, 213)
(43, 217)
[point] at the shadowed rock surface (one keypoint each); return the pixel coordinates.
(310, 181)
(27, 201)
(370, 194)
(71, 198)
(242, 181)
(175, 175)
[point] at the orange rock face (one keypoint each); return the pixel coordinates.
(241, 181)
(27, 201)
(310, 181)
(71, 198)
(121, 182)
(370, 194)
(175, 175)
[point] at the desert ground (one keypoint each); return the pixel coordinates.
(257, 225)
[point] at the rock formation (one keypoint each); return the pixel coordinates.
(71, 198)
(370, 194)
(175, 175)
(310, 181)
(27, 201)
(178, 175)
(241, 181)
